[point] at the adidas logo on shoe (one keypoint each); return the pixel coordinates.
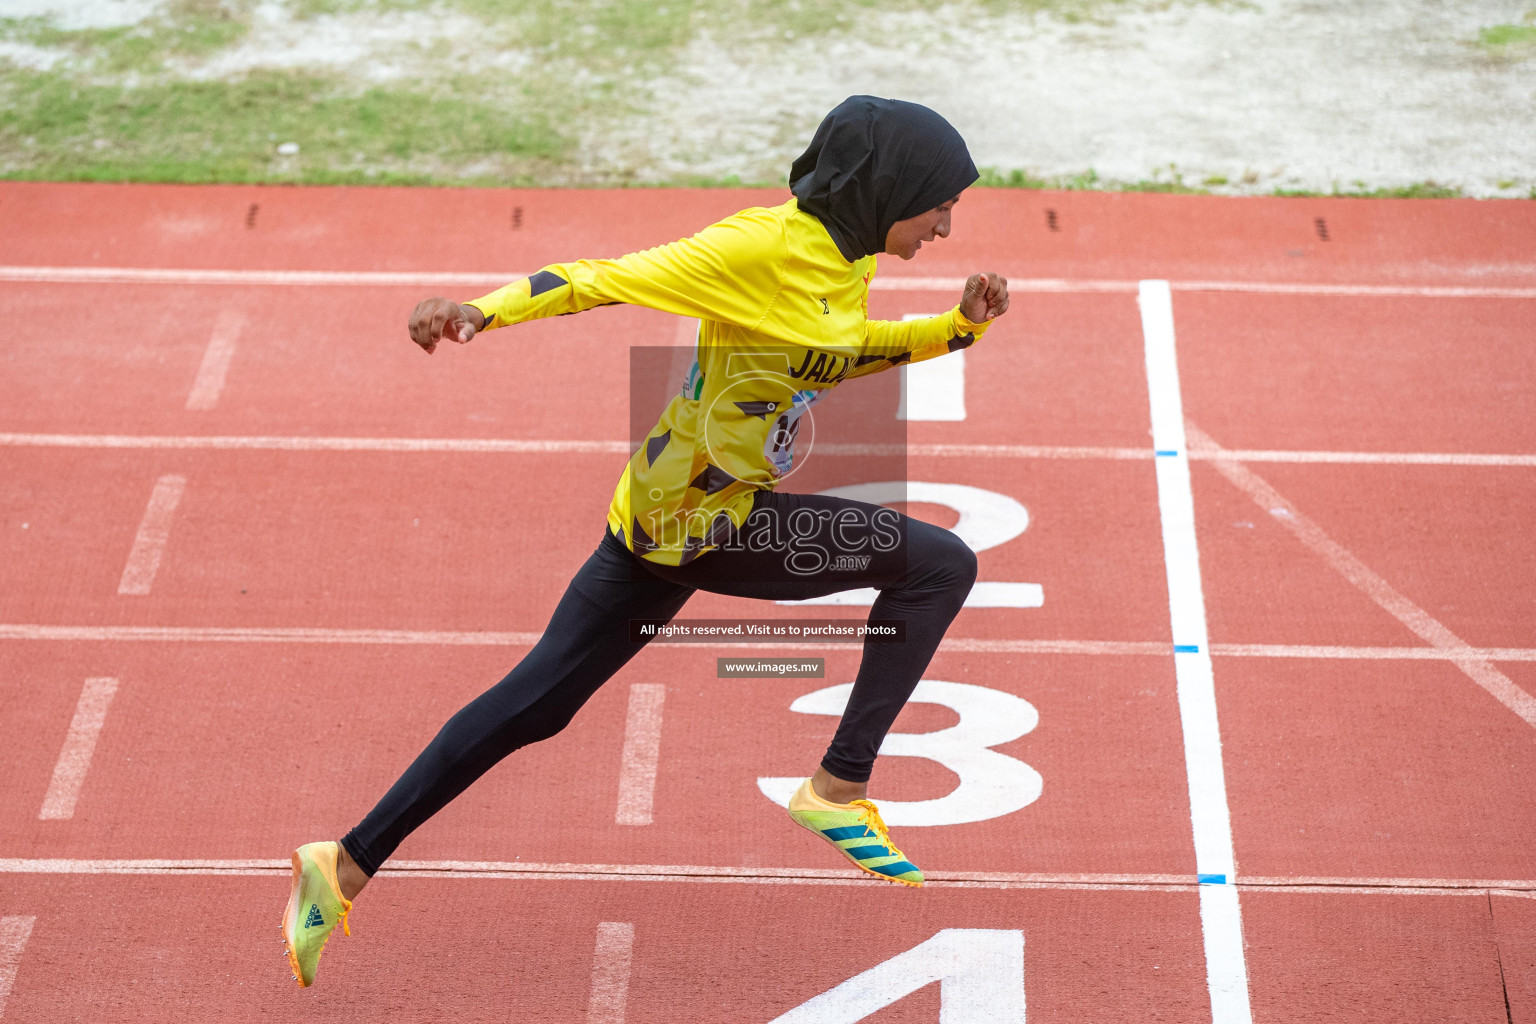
(315, 906)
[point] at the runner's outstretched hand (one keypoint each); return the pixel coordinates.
(985, 298)
(436, 319)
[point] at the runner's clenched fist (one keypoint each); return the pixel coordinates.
(436, 319)
(985, 298)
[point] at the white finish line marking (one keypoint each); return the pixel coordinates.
(1426, 626)
(493, 445)
(14, 933)
(79, 744)
(416, 278)
(1220, 916)
(612, 957)
(216, 359)
(154, 533)
(642, 752)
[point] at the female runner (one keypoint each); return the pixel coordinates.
(782, 296)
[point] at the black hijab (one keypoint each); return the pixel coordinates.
(873, 162)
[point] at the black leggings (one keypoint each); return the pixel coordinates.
(923, 574)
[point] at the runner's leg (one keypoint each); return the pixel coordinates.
(923, 573)
(586, 642)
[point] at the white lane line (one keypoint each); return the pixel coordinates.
(934, 389)
(1426, 626)
(522, 870)
(1087, 285)
(79, 744)
(280, 278)
(1372, 653)
(209, 383)
(518, 870)
(642, 751)
(1371, 458)
(14, 933)
(530, 446)
(1226, 968)
(414, 278)
(1160, 649)
(1356, 290)
(611, 960)
(538, 446)
(314, 444)
(1383, 882)
(1004, 451)
(978, 645)
(259, 634)
(154, 532)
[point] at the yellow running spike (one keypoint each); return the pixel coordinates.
(855, 831)
(315, 907)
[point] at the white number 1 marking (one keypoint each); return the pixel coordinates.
(934, 389)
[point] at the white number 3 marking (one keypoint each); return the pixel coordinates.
(991, 784)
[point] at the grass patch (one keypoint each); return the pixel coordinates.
(1506, 43)
(1089, 180)
(1417, 190)
(507, 106)
(53, 127)
(991, 177)
(621, 36)
(183, 28)
(1510, 40)
(1083, 181)
(1507, 35)
(1086, 181)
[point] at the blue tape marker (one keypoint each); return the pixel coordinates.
(1186, 648)
(1212, 879)
(1161, 452)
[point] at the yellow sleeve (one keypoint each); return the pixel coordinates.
(889, 343)
(729, 272)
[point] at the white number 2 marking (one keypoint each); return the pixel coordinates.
(987, 519)
(991, 784)
(980, 972)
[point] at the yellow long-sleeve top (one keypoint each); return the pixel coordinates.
(783, 319)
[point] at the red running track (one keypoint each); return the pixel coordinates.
(316, 607)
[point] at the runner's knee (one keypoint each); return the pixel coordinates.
(947, 562)
(965, 564)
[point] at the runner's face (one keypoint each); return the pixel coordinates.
(907, 236)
